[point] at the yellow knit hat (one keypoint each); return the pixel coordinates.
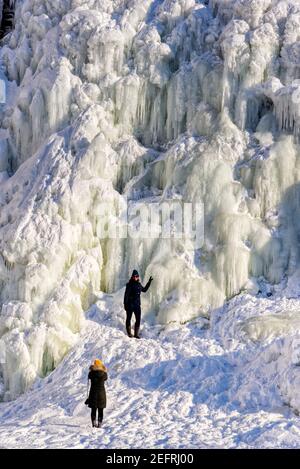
(98, 363)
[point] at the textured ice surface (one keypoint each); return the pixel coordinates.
(142, 100)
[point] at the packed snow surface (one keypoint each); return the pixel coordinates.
(180, 386)
(114, 101)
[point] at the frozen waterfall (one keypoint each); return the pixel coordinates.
(114, 100)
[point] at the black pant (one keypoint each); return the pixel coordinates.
(94, 413)
(136, 310)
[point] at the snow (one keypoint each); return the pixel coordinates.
(118, 102)
(180, 386)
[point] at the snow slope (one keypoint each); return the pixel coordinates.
(181, 386)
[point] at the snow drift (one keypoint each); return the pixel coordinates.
(113, 101)
(181, 386)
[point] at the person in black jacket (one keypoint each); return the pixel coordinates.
(97, 394)
(132, 302)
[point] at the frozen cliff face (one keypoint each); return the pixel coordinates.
(128, 101)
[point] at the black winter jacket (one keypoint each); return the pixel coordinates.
(97, 395)
(132, 296)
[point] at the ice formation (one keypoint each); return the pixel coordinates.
(142, 100)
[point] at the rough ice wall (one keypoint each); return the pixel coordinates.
(114, 100)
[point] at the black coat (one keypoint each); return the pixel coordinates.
(132, 296)
(97, 395)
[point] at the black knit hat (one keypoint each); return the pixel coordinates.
(134, 273)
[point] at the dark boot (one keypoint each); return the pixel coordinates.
(128, 330)
(99, 424)
(136, 332)
(94, 423)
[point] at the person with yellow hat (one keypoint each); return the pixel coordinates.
(97, 395)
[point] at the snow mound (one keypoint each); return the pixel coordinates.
(177, 387)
